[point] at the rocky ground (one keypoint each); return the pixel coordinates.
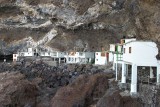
(36, 84)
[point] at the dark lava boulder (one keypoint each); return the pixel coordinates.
(84, 91)
(15, 91)
(112, 98)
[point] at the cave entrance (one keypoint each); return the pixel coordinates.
(9, 58)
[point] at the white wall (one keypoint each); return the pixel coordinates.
(89, 55)
(15, 57)
(84, 54)
(112, 47)
(111, 57)
(142, 53)
(53, 54)
(79, 57)
(60, 54)
(100, 60)
(30, 50)
(119, 48)
(26, 54)
(45, 54)
(129, 40)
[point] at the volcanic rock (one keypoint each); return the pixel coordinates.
(112, 98)
(84, 91)
(15, 91)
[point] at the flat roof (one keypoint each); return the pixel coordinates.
(138, 41)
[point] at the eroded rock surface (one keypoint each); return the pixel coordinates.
(15, 91)
(82, 92)
(112, 98)
(87, 24)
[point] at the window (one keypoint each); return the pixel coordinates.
(130, 49)
(124, 50)
(96, 53)
(97, 59)
(116, 48)
(102, 54)
(122, 41)
(81, 54)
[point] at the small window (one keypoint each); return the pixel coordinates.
(102, 54)
(15, 55)
(96, 53)
(122, 41)
(97, 59)
(81, 54)
(130, 49)
(116, 48)
(124, 50)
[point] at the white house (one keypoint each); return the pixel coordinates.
(139, 53)
(58, 55)
(101, 58)
(116, 52)
(45, 54)
(15, 57)
(27, 52)
(135, 53)
(79, 57)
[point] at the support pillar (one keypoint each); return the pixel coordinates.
(116, 71)
(158, 74)
(90, 60)
(126, 70)
(151, 73)
(113, 66)
(59, 60)
(134, 79)
(123, 79)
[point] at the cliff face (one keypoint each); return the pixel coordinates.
(86, 24)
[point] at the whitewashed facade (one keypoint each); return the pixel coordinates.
(135, 53)
(27, 52)
(45, 53)
(101, 58)
(15, 57)
(57, 54)
(139, 53)
(142, 53)
(79, 57)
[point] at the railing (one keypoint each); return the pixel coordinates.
(119, 56)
